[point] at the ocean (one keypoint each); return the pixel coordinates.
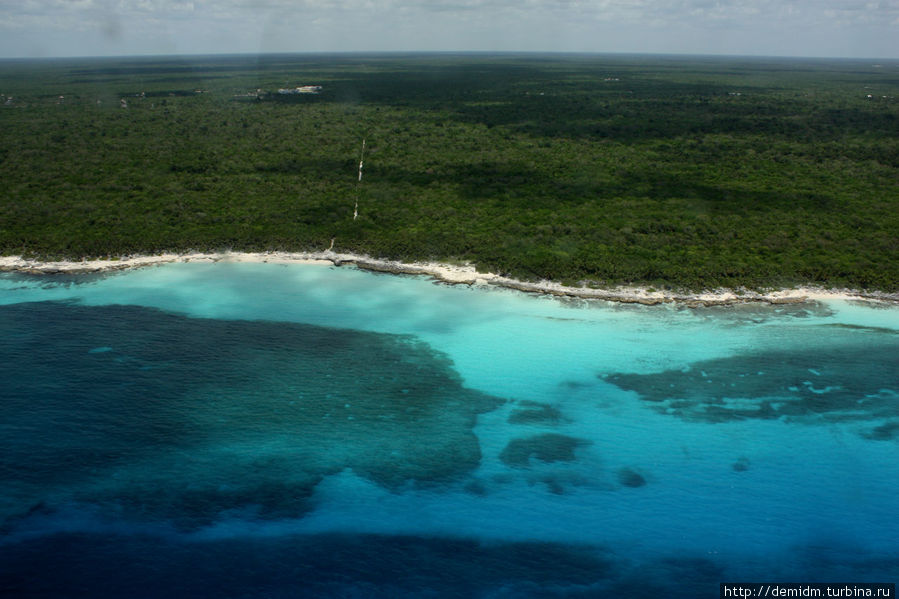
(297, 430)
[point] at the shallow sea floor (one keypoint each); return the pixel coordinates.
(264, 430)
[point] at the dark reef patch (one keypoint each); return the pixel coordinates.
(884, 432)
(846, 382)
(184, 418)
(533, 412)
(741, 465)
(549, 447)
(631, 478)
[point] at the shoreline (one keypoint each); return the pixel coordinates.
(454, 275)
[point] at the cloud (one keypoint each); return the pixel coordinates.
(810, 27)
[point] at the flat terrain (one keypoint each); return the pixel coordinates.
(667, 171)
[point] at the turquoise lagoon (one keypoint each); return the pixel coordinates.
(270, 430)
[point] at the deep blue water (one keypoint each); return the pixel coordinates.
(256, 430)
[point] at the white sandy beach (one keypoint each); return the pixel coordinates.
(452, 274)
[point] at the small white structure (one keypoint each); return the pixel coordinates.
(303, 89)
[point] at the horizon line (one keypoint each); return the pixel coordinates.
(447, 52)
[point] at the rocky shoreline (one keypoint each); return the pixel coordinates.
(456, 275)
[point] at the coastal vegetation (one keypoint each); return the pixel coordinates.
(690, 172)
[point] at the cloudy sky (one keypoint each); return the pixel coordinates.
(830, 28)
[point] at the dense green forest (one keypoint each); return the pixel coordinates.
(597, 169)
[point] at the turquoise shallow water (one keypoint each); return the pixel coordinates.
(241, 430)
